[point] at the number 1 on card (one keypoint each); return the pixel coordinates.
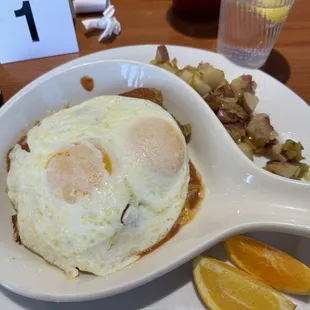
(27, 12)
(32, 29)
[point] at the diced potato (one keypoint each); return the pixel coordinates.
(249, 102)
(200, 86)
(275, 152)
(260, 129)
(235, 104)
(242, 84)
(307, 176)
(213, 77)
(247, 150)
(236, 131)
(186, 75)
(284, 169)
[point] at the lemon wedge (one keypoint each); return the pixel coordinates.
(224, 287)
(270, 2)
(271, 11)
(272, 266)
(275, 15)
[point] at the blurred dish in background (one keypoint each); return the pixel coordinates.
(90, 6)
(197, 9)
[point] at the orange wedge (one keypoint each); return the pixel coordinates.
(270, 265)
(223, 287)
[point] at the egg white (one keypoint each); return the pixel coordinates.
(94, 233)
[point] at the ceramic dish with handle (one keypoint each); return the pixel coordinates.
(239, 196)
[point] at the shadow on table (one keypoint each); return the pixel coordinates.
(138, 298)
(277, 66)
(198, 29)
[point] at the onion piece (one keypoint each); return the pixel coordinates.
(231, 102)
(213, 104)
(169, 66)
(304, 170)
(289, 151)
(232, 107)
(203, 65)
(224, 90)
(227, 117)
(162, 54)
(292, 150)
(187, 131)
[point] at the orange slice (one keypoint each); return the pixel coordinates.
(270, 265)
(223, 287)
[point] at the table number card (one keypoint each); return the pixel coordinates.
(35, 28)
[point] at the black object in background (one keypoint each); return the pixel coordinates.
(197, 10)
(1, 98)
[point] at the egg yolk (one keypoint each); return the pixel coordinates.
(107, 162)
(157, 145)
(76, 171)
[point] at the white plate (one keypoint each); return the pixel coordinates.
(174, 291)
(243, 198)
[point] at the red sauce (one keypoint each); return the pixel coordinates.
(194, 196)
(87, 83)
(24, 145)
(8, 161)
(15, 229)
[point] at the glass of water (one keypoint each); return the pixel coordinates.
(248, 29)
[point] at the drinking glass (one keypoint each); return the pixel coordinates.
(248, 29)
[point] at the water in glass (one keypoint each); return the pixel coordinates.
(248, 29)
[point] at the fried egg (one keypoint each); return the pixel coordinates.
(103, 182)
